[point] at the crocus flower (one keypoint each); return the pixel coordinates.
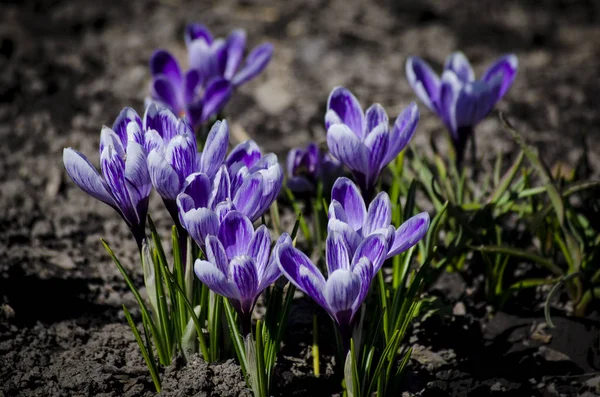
(349, 275)
(124, 183)
(457, 97)
(173, 154)
(349, 217)
(221, 58)
(188, 93)
(238, 263)
(248, 185)
(305, 167)
(363, 142)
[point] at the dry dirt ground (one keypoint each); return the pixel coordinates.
(68, 67)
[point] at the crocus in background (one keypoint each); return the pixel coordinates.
(238, 263)
(307, 166)
(457, 97)
(173, 154)
(124, 183)
(363, 141)
(188, 93)
(350, 218)
(220, 59)
(349, 276)
(248, 183)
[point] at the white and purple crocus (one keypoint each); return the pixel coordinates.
(215, 71)
(358, 242)
(457, 97)
(238, 263)
(124, 182)
(306, 167)
(363, 141)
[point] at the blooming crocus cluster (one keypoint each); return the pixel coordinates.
(307, 166)
(125, 182)
(363, 141)
(203, 90)
(457, 97)
(238, 261)
(247, 182)
(348, 216)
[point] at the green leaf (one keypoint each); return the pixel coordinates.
(494, 249)
(506, 179)
(150, 363)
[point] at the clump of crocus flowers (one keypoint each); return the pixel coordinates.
(220, 200)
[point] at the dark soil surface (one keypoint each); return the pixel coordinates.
(68, 67)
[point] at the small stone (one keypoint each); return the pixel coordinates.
(63, 261)
(459, 309)
(42, 228)
(552, 355)
(273, 96)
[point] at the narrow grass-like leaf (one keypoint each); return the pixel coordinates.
(546, 263)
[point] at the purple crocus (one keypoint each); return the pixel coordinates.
(350, 273)
(348, 216)
(363, 141)
(125, 183)
(189, 93)
(221, 58)
(247, 183)
(457, 97)
(238, 264)
(305, 167)
(173, 154)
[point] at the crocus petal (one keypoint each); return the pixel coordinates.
(150, 117)
(135, 133)
(235, 233)
(235, 44)
(190, 85)
(375, 116)
(162, 63)
(374, 248)
(255, 62)
(110, 138)
(167, 125)
(347, 147)
(215, 148)
(475, 101)
(153, 141)
(214, 279)
(246, 152)
(449, 92)
(409, 233)
(337, 255)
(248, 197)
(423, 80)
(377, 145)
(224, 208)
(348, 109)
(204, 58)
(301, 272)
(195, 193)
(293, 160)
(347, 194)
(270, 273)
(136, 174)
(336, 211)
(364, 270)
(402, 132)
(200, 223)
(353, 239)
(164, 178)
(242, 271)
(505, 66)
(221, 187)
(195, 31)
(215, 253)
(260, 247)
(113, 170)
(379, 214)
(85, 175)
(300, 184)
(164, 91)
(341, 291)
(126, 116)
(181, 154)
(459, 64)
(216, 96)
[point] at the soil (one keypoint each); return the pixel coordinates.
(68, 67)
